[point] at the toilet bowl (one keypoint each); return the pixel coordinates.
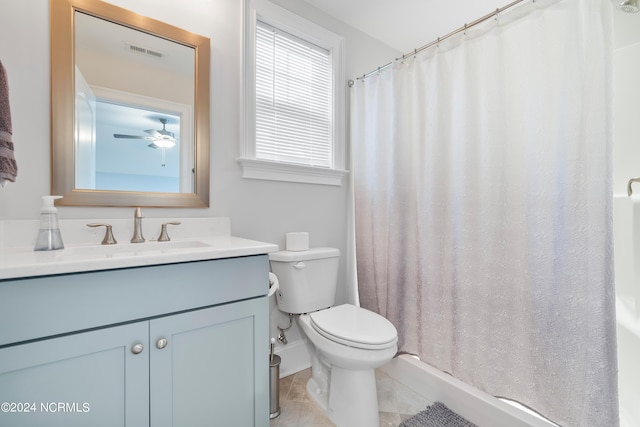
(345, 342)
(351, 337)
(343, 379)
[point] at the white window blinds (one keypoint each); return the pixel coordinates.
(293, 99)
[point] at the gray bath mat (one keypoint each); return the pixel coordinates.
(437, 415)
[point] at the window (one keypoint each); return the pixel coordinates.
(293, 99)
(294, 102)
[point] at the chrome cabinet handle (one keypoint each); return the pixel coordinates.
(137, 348)
(161, 343)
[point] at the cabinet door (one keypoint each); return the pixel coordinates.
(214, 368)
(85, 379)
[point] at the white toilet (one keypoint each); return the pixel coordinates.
(346, 343)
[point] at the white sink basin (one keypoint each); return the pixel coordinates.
(132, 249)
(197, 239)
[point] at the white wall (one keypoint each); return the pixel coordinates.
(261, 210)
(626, 145)
(626, 133)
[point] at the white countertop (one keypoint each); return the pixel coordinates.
(19, 260)
(25, 262)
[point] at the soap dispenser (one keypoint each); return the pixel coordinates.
(49, 237)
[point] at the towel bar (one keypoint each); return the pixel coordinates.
(632, 180)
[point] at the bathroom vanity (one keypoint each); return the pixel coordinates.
(170, 336)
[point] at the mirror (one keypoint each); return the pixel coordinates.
(129, 109)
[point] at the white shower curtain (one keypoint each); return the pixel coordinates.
(483, 206)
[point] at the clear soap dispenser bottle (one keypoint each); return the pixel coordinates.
(49, 237)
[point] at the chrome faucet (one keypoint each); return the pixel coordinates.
(137, 227)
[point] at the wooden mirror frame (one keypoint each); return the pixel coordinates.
(63, 112)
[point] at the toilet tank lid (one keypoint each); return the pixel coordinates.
(309, 254)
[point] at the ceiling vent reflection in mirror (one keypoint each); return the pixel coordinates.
(143, 50)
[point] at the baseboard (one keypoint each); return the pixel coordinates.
(295, 357)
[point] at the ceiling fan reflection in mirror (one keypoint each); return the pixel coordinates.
(160, 138)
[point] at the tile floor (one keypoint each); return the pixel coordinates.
(396, 402)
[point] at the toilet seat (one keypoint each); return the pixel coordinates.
(355, 327)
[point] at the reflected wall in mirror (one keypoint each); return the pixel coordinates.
(130, 109)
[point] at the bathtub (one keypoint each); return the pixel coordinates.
(628, 329)
(476, 406)
(626, 235)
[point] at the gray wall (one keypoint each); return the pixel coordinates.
(261, 210)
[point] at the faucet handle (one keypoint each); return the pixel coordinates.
(164, 236)
(108, 235)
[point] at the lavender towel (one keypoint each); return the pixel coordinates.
(8, 165)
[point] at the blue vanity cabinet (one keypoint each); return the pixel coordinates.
(169, 345)
(85, 379)
(207, 367)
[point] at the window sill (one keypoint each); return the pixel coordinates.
(275, 171)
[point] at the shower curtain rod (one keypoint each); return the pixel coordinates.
(465, 27)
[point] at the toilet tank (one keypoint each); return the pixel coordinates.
(307, 279)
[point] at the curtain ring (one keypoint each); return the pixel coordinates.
(438, 42)
(497, 14)
(415, 53)
(465, 29)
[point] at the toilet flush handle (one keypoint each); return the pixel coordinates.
(299, 265)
